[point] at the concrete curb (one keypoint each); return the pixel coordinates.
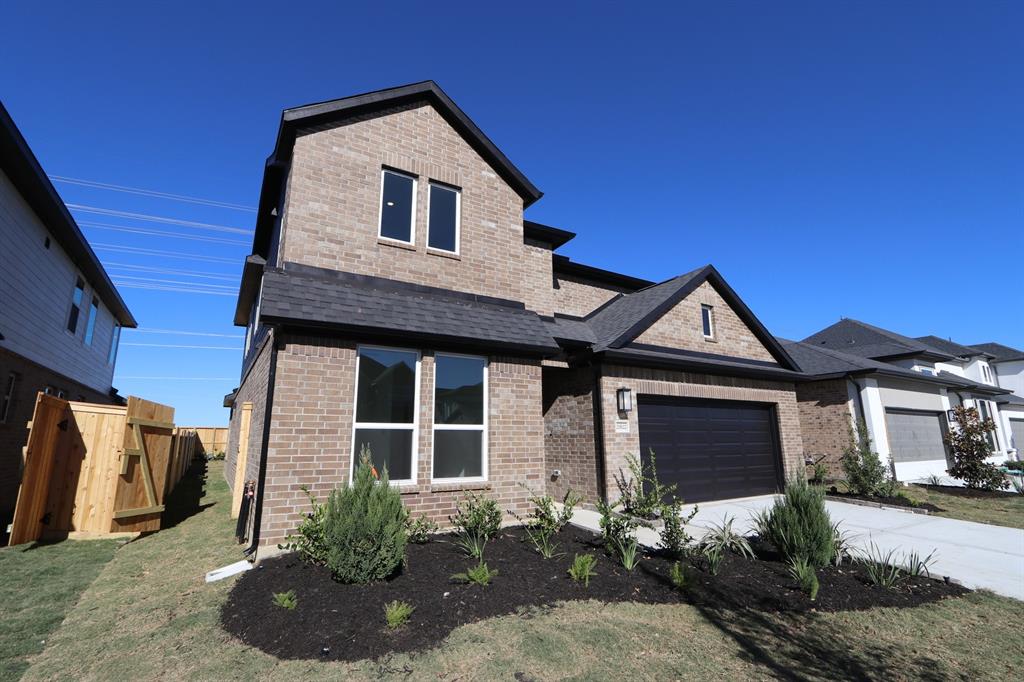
(877, 505)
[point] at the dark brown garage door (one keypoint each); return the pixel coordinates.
(711, 449)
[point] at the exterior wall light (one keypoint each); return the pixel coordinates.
(624, 399)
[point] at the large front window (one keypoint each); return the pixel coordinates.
(386, 389)
(460, 417)
(397, 206)
(443, 218)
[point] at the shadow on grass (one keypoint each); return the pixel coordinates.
(185, 500)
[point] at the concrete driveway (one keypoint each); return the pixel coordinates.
(977, 555)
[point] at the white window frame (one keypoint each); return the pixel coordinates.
(415, 426)
(412, 214)
(78, 318)
(457, 191)
(12, 384)
(711, 320)
(483, 428)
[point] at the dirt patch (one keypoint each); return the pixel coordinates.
(895, 501)
(346, 622)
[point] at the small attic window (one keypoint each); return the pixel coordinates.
(707, 317)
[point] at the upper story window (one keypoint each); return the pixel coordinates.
(984, 412)
(925, 370)
(8, 397)
(90, 324)
(387, 385)
(707, 318)
(443, 217)
(985, 372)
(460, 417)
(76, 305)
(397, 206)
(115, 339)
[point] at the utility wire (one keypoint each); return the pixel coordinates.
(175, 345)
(160, 233)
(150, 193)
(153, 280)
(157, 219)
(184, 333)
(163, 254)
(184, 290)
(167, 271)
(180, 378)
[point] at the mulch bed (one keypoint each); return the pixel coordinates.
(346, 622)
(968, 492)
(890, 501)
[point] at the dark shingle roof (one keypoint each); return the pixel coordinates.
(950, 347)
(567, 329)
(1010, 399)
(1000, 352)
(854, 337)
(313, 297)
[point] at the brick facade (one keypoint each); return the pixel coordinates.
(579, 297)
(826, 416)
(686, 385)
(569, 439)
(681, 327)
(253, 389)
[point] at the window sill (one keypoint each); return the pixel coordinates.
(443, 254)
(385, 241)
(710, 339)
(441, 487)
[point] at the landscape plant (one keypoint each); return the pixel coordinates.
(479, 574)
(916, 565)
(864, 471)
(618, 533)
(803, 573)
(679, 576)
(420, 529)
(309, 540)
(969, 446)
(476, 520)
(798, 525)
(286, 600)
(365, 526)
(397, 613)
(582, 569)
(881, 567)
(674, 539)
(640, 493)
(713, 555)
(721, 537)
(544, 521)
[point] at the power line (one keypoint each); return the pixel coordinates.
(153, 280)
(163, 254)
(161, 233)
(184, 333)
(157, 219)
(184, 290)
(180, 378)
(168, 271)
(175, 345)
(150, 193)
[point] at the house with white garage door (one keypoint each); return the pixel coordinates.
(1008, 366)
(901, 387)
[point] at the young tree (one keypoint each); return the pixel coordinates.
(865, 473)
(969, 444)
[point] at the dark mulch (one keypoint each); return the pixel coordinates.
(968, 492)
(895, 501)
(346, 622)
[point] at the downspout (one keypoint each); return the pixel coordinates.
(261, 480)
(860, 401)
(602, 488)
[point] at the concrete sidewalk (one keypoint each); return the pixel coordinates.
(978, 555)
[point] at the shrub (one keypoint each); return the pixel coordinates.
(865, 473)
(544, 521)
(803, 573)
(713, 557)
(722, 538)
(286, 600)
(969, 446)
(309, 539)
(619, 535)
(842, 548)
(881, 567)
(1014, 465)
(917, 566)
(679, 576)
(396, 613)
(477, 519)
(582, 569)
(674, 538)
(420, 529)
(479, 574)
(364, 527)
(641, 494)
(799, 526)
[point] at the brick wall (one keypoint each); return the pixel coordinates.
(687, 385)
(681, 327)
(333, 204)
(253, 389)
(569, 438)
(31, 378)
(579, 297)
(311, 434)
(826, 416)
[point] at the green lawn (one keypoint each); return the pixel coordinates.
(1001, 510)
(149, 615)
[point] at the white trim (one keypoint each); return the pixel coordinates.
(484, 428)
(457, 191)
(412, 213)
(415, 425)
(711, 319)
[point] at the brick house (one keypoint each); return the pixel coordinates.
(397, 298)
(60, 315)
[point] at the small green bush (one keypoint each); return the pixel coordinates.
(544, 521)
(641, 494)
(916, 565)
(679, 576)
(286, 600)
(420, 529)
(1014, 465)
(803, 573)
(799, 526)
(674, 538)
(582, 569)
(477, 519)
(364, 527)
(396, 613)
(881, 567)
(865, 473)
(970, 446)
(619, 535)
(479, 574)
(712, 557)
(309, 540)
(723, 538)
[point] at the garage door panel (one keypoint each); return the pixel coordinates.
(1017, 429)
(711, 449)
(915, 436)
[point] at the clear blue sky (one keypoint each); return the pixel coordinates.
(831, 159)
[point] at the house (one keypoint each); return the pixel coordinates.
(60, 315)
(901, 387)
(396, 298)
(1008, 365)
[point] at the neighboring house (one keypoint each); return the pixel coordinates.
(396, 298)
(902, 388)
(1008, 365)
(60, 315)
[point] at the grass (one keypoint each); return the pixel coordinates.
(41, 583)
(150, 615)
(1000, 510)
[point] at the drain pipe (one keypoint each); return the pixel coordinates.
(602, 488)
(261, 479)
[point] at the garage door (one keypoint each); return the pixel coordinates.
(711, 449)
(1017, 429)
(915, 436)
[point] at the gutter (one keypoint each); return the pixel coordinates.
(261, 480)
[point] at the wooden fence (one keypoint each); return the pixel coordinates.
(212, 439)
(95, 469)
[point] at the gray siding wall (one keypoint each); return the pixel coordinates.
(36, 286)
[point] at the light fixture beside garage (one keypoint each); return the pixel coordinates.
(624, 399)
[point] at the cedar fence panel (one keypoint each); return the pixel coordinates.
(44, 432)
(212, 439)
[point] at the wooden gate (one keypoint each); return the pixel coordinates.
(48, 418)
(145, 460)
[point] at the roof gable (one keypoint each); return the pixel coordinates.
(1000, 352)
(867, 341)
(949, 346)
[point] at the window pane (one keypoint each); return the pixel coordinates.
(706, 319)
(396, 207)
(90, 326)
(442, 218)
(458, 390)
(387, 386)
(389, 448)
(458, 454)
(114, 338)
(76, 304)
